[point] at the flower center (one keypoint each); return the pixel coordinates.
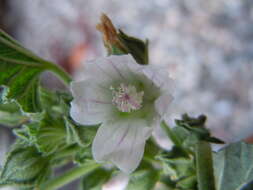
(126, 98)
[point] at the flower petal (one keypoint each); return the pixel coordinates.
(159, 76)
(92, 103)
(125, 66)
(114, 69)
(110, 69)
(122, 143)
(162, 103)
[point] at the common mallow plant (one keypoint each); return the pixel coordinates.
(103, 125)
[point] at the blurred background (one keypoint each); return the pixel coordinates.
(207, 47)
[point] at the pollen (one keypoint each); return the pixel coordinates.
(126, 98)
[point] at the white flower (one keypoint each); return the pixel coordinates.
(128, 100)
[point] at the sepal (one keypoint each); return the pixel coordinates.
(197, 127)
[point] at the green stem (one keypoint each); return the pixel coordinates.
(69, 176)
(70, 151)
(170, 134)
(59, 72)
(152, 161)
(204, 160)
(173, 137)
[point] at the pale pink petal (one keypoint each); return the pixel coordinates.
(92, 103)
(124, 67)
(162, 104)
(121, 143)
(159, 76)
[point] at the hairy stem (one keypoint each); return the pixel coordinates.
(64, 76)
(170, 134)
(69, 176)
(70, 151)
(173, 137)
(204, 160)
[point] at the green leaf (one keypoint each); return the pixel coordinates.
(181, 133)
(20, 70)
(188, 183)
(136, 47)
(82, 135)
(62, 157)
(52, 131)
(49, 135)
(143, 180)
(24, 166)
(118, 43)
(177, 135)
(55, 132)
(163, 186)
(13, 52)
(26, 188)
(69, 176)
(151, 150)
(197, 127)
(233, 166)
(23, 134)
(176, 165)
(55, 101)
(11, 115)
(95, 180)
(179, 170)
(83, 156)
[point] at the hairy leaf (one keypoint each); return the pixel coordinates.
(20, 70)
(176, 165)
(48, 135)
(82, 135)
(55, 101)
(143, 180)
(233, 166)
(136, 47)
(48, 132)
(83, 156)
(55, 132)
(119, 43)
(179, 169)
(95, 180)
(188, 183)
(11, 115)
(197, 127)
(24, 166)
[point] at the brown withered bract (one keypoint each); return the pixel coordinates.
(110, 35)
